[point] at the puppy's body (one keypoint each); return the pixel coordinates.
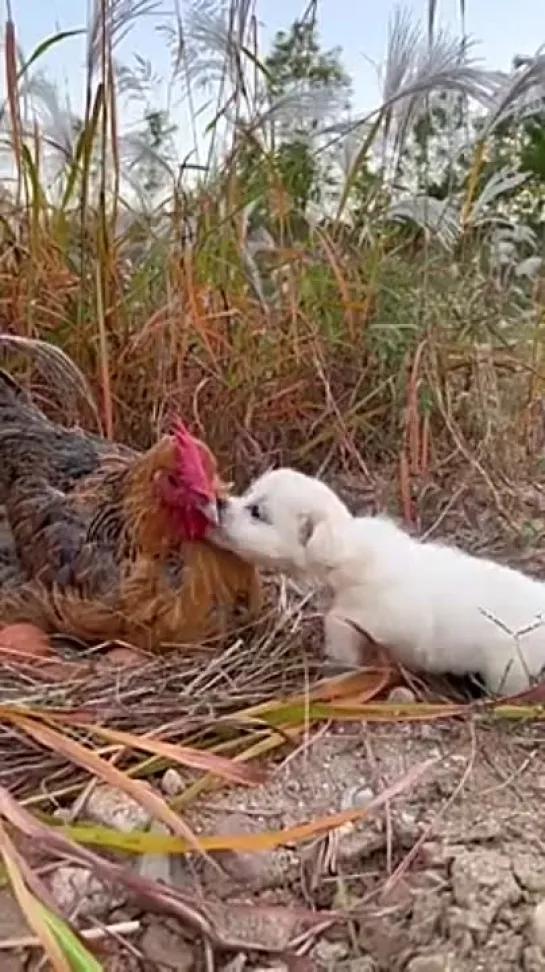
(438, 608)
(434, 606)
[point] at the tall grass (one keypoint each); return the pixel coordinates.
(351, 335)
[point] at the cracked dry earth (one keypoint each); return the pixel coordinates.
(470, 834)
(473, 826)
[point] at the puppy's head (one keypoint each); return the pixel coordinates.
(273, 523)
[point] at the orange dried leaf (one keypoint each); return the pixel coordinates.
(26, 640)
(359, 687)
(364, 685)
(185, 756)
(90, 761)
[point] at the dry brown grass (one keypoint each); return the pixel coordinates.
(362, 354)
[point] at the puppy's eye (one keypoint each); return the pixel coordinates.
(255, 511)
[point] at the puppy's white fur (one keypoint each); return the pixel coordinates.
(434, 606)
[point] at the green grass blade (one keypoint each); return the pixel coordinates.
(80, 959)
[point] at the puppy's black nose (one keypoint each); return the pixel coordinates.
(222, 505)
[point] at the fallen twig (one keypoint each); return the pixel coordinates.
(90, 934)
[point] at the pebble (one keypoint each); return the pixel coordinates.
(529, 871)
(402, 695)
(433, 963)
(362, 964)
(532, 959)
(538, 925)
(271, 968)
(166, 948)
(156, 867)
(64, 814)
(172, 783)
(254, 870)
(76, 890)
(357, 797)
(236, 964)
(110, 807)
(330, 953)
(482, 884)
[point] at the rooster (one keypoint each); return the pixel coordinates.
(112, 543)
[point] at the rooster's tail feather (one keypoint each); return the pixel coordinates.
(55, 611)
(54, 364)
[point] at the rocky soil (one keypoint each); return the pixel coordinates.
(449, 877)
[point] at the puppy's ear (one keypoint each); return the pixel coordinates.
(307, 526)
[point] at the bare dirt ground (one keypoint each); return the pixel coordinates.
(445, 878)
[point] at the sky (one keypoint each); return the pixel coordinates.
(501, 27)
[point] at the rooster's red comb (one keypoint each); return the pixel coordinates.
(189, 463)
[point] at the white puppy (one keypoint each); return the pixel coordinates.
(435, 607)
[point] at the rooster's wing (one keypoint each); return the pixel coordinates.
(50, 530)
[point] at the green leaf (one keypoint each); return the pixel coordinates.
(80, 959)
(46, 45)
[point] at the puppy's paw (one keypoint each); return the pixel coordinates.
(345, 647)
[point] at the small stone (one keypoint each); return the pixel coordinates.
(182, 872)
(463, 927)
(434, 963)
(427, 910)
(236, 964)
(77, 891)
(64, 814)
(279, 967)
(156, 867)
(538, 925)
(166, 948)
(401, 695)
(532, 959)
(405, 825)
(259, 870)
(172, 783)
(482, 883)
(435, 855)
(529, 871)
(330, 953)
(357, 797)
(503, 942)
(357, 839)
(399, 895)
(110, 807)
(362, 964)
(484, 831)
(255, 926)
